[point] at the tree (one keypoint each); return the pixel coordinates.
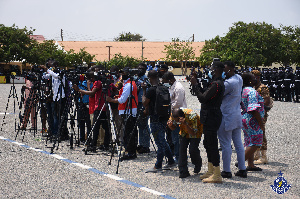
(180, 51)
(252, 44)
(129, 37)
(40, 52)
(290, 45)
(121, 61)
(14, 43)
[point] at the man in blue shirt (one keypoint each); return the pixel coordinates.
(83, 117)
(230, 128)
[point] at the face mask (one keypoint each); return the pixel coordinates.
(210, 75)
(167, 85)
(223, 75)
(135, 78)
(178, 123)
(114, 77)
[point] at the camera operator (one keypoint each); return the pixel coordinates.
(114, 70)
(144, 138)
(158, 124)
(29, 109)
(211, 117)
(83, 109)
(59, 99)
(99, 103)
(129, 112)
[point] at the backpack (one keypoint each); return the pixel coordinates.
(163, 102)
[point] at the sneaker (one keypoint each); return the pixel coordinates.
(153, 170)
(169, 166)
(241, 173)
(184, 175)
(253, 169)
(225, 174)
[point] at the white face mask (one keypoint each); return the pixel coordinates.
(167, 85)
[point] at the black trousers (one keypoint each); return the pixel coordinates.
(102, 120)
(130, 135)
(210, 143)
(83, 118)
(193, 150)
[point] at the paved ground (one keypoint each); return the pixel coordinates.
(34, 173)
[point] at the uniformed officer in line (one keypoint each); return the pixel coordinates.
(274, 84)
(297, 84)
(287, 82)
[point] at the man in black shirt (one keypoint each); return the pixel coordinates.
(211, 117)
(158, 125)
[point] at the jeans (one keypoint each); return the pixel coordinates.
(144, 131)
(225, 138)
(158, 130)
(194, 153)
(175, 140)
(210, 143)
(83, 118)
(102, 120)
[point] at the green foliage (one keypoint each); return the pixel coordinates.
(180, 51)
(14, 43)
(290, 45)
(252, 44)
(129, 37)
(121, 61)
(40, 52)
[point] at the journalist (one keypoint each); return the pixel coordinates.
(211, 117)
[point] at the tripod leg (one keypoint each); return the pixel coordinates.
(6, 108)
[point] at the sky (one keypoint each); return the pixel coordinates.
(155, 20)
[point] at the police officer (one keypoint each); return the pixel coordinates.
(297, 84)
(287, 82)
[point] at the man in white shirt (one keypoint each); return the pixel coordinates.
(129, 111)
(59, 101)
(177, 94)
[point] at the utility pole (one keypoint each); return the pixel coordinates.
(143, 49)
(108, 52)
(193, 37)
(61, 34)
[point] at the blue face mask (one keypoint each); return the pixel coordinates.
(210, 75)
(167, 85)
(223, 75)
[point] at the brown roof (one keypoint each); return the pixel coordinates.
(152, 50)
(37, 37)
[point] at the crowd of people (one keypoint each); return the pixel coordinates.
(132, 106)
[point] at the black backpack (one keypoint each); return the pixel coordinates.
(162, 102)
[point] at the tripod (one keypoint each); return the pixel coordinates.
(13, 94)
(31, 104)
